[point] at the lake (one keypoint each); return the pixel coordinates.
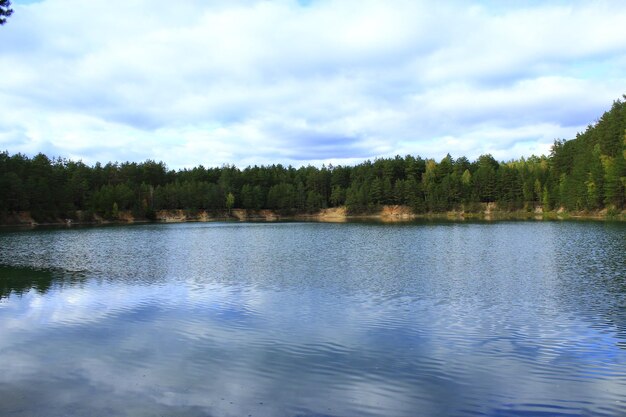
(314, 319)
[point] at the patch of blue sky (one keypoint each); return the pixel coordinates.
(17, 2)
(592, 69)
(499, 5)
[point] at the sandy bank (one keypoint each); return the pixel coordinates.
(387, 214)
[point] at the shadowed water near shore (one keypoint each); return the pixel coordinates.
(310, 319)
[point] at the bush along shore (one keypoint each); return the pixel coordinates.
(584, 177)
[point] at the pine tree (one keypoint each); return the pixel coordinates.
(5, 11)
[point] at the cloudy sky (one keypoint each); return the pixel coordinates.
(304, 82)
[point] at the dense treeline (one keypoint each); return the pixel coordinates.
(586, 173)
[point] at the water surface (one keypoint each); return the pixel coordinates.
(310, 319)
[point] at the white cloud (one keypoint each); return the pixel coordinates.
(250, 82)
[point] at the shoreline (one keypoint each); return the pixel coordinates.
(386, 214)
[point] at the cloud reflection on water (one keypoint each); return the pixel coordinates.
(396, 319)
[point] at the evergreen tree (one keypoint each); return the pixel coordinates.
(5, 11)
(585, 173)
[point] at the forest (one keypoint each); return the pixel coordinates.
(585, 173)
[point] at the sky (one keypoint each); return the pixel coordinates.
(304, 82)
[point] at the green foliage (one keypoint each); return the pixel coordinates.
(586, 173)
(230, 201)
(338, 196)
(115, 213)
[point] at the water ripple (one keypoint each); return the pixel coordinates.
(314, 320)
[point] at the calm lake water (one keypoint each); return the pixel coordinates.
(311, 319)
